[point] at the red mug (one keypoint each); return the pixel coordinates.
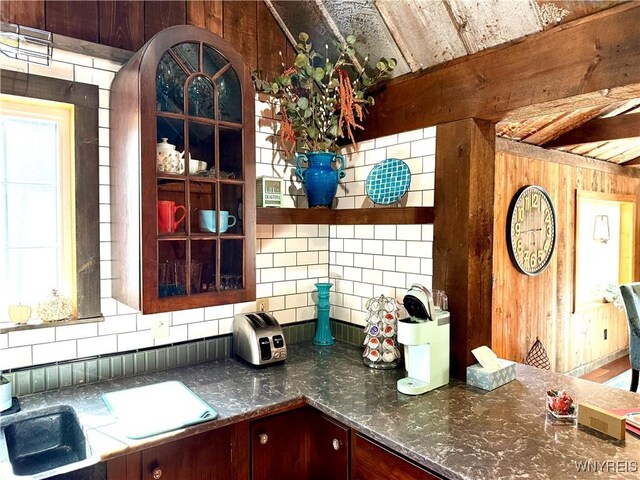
(167, 222)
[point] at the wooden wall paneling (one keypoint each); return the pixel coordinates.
(239, 29)
(206, 14)
(121, 24)
(463, 233)
(77, 19)
(159, 15)
(526, 307)
(23, 12)
(272, 44)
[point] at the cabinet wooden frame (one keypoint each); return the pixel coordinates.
(134, 184)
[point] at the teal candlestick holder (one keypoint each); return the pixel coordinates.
(323, 329)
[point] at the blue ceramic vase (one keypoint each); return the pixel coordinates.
(319, 178)
(323, 329)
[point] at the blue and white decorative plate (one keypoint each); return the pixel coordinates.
(388, 181)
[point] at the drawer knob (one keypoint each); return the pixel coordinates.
(336, 444)
(157, 473)
(264, 438)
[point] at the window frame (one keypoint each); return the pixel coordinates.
(84, 98)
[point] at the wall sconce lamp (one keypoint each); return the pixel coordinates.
(601, 231)
(26, 43)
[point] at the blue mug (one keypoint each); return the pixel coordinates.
(208, 220)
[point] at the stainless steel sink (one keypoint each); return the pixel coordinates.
(44, 442)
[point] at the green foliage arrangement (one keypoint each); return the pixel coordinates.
(320, 100)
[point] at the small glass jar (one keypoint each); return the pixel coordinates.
(56, 307)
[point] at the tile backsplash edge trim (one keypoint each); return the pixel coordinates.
(42, 378)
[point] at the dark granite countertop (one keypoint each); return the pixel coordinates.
(458, 431)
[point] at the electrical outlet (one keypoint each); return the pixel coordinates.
(605, 333)
(160, 328)
(262, 304)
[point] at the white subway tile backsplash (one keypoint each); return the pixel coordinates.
(401, 151)
(179, 333)
(264, 290)
(272, 245)
(297, 244)
(297, 300)
(318, 244)
(272, 274)
(372, 276)
(426, 266)
(284, 231)
(372, 246)
(394, 247)
(343, 286)
(424, 181)
(354, 274)
(385, 141)
(353, 245)
(307, 258)
(363, 290)
(4, 341)
(283, 288)
(395, 279)
(362, 260)
(225, 326)
(336, 245)
(305, 313)
(218, 312)
(318, 271)
(407, 265)
(385, 232)
(420, 249)
(264, 231)
(31, 337)
(374, 156)
(202, 329)
(16, 357)
(381, 262)
(117, 324)
(421, 279)
(265, 260)
(307, 231)
(88, 347)
(296, 273)
(344, 259)
(284, 259)
(409, 232)
(305, 285)
(61, 70)
(83, 330)
(54, 352)
(340, 313)
(410, 136)
(285, 316)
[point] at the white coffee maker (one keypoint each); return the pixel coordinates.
(425, 336)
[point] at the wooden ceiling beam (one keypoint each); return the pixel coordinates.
(632, 163)
(592, 61)
(600, 130)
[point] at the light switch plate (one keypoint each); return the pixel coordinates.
(160, 327)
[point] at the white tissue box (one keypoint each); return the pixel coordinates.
(479, 377)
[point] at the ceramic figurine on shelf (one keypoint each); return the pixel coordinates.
(381, 343)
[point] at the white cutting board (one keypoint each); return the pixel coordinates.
(157, 408)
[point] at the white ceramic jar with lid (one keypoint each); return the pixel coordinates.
(168, 159)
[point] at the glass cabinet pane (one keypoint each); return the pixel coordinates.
(201, 98)
(171, 207)
(170, 154)
(170, 80)
(189, 55)
(204, 266)
(172, 268)
(202, 146)
(230, 151)
(229, 97)
(231, 264)
(231, 208)
(213, 61)
(202, 207)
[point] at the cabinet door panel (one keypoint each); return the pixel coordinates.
(329, 452)
(369, 460)
(207, 456)
(279, 446)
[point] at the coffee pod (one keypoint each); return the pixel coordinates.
(388, 356)
(388, 344)
(374, 342)
(388, 331)
(374, 355)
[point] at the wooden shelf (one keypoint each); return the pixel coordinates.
(351, 216)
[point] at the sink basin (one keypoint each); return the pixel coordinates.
(42, 441)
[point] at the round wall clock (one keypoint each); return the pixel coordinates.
(531, 230)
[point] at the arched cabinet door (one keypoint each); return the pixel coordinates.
(182, 152)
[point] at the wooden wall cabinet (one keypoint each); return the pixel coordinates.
(301, 444)
(189, 86)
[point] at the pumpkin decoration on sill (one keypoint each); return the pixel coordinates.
(19, 313)
(319, 102)
(54, 308)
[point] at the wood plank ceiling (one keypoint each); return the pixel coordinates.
(421, 34)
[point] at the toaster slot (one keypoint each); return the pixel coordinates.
(256, 320)
(266, 318)
(278, 341)
(265, 348)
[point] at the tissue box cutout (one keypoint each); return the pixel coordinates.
(486, 380)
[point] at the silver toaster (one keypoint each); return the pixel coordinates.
(258, 339)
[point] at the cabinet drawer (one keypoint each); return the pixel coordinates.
(369, 460)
